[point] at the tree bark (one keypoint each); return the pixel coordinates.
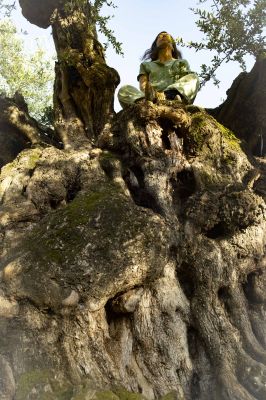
(84, 84)
(244, 109)
(18, 130)
(137, 265)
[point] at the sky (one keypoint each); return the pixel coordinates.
(136, 24)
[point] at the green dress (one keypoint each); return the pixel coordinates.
(172, 74)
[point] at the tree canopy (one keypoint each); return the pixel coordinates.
(230, 29)
(30, 73)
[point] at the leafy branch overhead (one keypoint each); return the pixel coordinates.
(6, 7)
(102, 22)
(232, 29)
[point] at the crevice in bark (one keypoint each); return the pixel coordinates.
(223, 294)
(169, 129)
(73, 189)
(185, 278)
(192, 342)
(217, 231)
(195, 386)
(109, 313)
(134, 178)
(250, 286)
(201, 380)
(184, 186)
(224, 297)
(165, 140)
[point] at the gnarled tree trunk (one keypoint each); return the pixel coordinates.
(18, 130)
(84, 84)
(138, 265)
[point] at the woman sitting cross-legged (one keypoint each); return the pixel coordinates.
(166, 76)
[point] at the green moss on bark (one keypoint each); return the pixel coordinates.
(43, 385)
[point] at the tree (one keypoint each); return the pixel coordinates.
(232, 30)
(6, 7)
(134, 256)
(31, 75)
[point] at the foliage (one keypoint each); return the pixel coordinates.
(102, 21)
(31, 74)
(232, 29)
(7, 6)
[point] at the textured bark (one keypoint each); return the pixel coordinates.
(84, 84)
(244, 109)
(18, 130)
(139, 264)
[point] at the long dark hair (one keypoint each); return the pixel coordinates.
(152, 53)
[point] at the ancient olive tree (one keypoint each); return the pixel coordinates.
(132, 246)
(232, 30)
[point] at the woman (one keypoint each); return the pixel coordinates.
(166, 76)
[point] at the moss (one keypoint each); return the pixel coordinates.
(192, 109)
(202, 125)
(169, 396)
(229, 136)
(105, 395)
(42, 385)
(61, 238)
(207, 178)
(198, 130)
(30, 158)
(108, 155)
(33, 158)
(125, 395)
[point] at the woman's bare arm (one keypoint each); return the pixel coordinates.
(143, 80)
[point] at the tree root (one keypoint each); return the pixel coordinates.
(239, 317)
(252, 376)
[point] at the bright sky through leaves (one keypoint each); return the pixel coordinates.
(136, 24)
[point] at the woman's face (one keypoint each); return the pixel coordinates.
(163, 38)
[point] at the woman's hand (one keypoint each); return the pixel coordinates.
(143, 80)
(160, 96)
